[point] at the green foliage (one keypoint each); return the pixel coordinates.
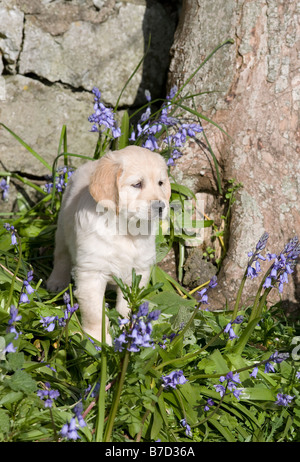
(123, 393)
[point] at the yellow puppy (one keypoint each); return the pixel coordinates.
(106, 227)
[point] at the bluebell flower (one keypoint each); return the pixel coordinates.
(283, 400)
(97, 348)
(148, 95)
(298, 375)
(232, 380)
(178, 130)
(173, 379)
(153, 315)
(143, 310)
(172, 92)
(220, 389)
(236, 393)
(254, 372)
(10, 348)
(95, 391)
(229, 329)
(48, 395)
(203, 299)
(132, 136)
(256, 255)
(24, 298)
(78, 409)
(233, 377)
(61, 179)
(188, 430)
(151, 143)
(103, 118)
(269, 368)
(138, 333)
(26, 288)
(14, 317)
(4, 188)
(277, 358)
(49, 322)
(208, 405)
(69, 430)
(120, 341)
(12, 230)
(283, 265)
(280, 269)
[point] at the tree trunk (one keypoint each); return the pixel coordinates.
(257, 103)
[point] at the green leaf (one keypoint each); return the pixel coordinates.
(220, 363)
(223, 430)
(11, 397)
(171, 303)
(63, 142)
(157, 423)
(21, 381)
(15, 360)
(242, 341)
(181, 189)
(257, 394)
(4, 421)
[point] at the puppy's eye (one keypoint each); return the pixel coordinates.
(137, 185)
(160, 183)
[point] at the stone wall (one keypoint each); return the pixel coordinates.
(52, 53)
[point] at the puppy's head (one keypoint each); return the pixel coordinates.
(134, 181)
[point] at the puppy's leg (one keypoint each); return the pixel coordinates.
(122, 305)
(61, 273)
(90, 291)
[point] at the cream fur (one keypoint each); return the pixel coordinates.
(121, 187)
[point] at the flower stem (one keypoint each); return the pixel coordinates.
(101, 400)
(116, 399)
(255, 310)
(238, 297)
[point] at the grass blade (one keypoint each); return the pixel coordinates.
(26, 146)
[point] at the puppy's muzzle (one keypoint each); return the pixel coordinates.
(158, 209)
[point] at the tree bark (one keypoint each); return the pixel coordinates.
(257, 100)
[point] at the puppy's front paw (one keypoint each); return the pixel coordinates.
(55, 284)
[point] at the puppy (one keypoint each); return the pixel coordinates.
(106, 227)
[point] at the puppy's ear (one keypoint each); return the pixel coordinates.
(104, 182)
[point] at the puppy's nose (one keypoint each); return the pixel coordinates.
(158, 207)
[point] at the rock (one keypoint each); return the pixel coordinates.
(103, 54)
(197, 269)
(44, 111)
(11, 32)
